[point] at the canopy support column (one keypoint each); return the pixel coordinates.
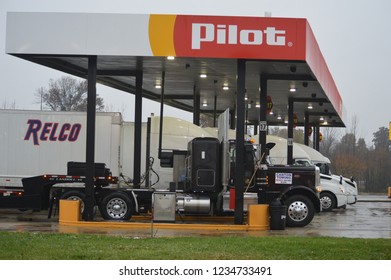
(215, 111)
(263, 116)
(290, 132)
(317, 137)
(262, 138)
(196, 109)
(88, 214)
(161, 115)
(239, 166)
(306, 128)
(137, 129)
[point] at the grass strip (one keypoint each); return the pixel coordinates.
(49, 246)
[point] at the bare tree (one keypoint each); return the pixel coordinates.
(298, 134)
(331, 136)
(66, 94)
(353, 130)
(8, 105)
(353, 126)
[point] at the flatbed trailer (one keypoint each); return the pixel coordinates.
(40, 192)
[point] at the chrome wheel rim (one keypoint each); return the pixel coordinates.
(326, 202)
(298, 211)
(116, 208)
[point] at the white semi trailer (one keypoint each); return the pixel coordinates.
(43, 142)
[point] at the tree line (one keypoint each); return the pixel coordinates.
(351, 156)
(370, 165)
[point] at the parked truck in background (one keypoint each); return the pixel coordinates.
(44, 154)
(331, 197)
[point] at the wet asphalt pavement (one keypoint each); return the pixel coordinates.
(370, 217)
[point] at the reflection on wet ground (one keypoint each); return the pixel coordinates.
(370, 217)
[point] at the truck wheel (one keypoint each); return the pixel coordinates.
(300, 211)
(75, 195)
(328, 201)
(116, 206)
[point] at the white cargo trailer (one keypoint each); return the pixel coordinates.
(42, 142)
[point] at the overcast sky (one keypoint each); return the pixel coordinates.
(353, 35)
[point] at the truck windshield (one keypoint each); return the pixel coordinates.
(249, 159)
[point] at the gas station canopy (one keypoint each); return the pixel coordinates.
(202, 76)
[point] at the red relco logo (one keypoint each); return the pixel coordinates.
(51, 131)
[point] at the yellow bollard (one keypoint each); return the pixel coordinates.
(389, 192)
(258, 215)
(69, 211)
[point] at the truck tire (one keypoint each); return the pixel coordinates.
(75, 195)
(116, 206)
(328, 201)
(300, 211)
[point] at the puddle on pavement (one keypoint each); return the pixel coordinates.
(361, 220)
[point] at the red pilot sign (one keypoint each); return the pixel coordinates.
(227, 37)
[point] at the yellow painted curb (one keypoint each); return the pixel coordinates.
(138, 225)
(70, 216)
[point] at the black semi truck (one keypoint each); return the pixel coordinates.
(206, 188)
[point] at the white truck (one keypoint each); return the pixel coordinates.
(349, 184)
(337, 191)
(44, 153)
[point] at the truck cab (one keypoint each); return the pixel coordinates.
(295, 186)
(350, 185)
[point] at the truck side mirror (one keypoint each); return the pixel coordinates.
(167, 159)
(269, 146)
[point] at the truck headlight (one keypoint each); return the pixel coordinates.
(319, 189)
